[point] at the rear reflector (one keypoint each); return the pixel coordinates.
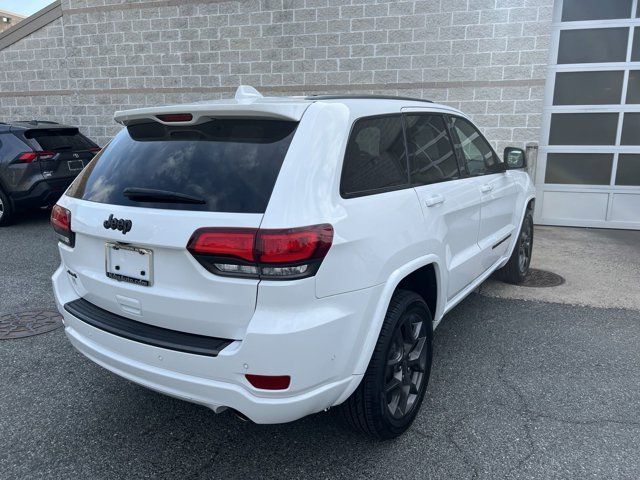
(61, 223)
(261, 253)
(175, 117)
(28, 157)
(269, 382)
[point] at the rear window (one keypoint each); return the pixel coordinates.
(231, 165)
(60, 139)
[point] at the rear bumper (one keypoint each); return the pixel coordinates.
(115, 355)
(320, 358)
(44, 192)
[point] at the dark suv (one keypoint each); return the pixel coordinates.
(38, 161)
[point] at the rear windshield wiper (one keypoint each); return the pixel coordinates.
(161, 196)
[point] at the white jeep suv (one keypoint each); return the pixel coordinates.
(281, 256)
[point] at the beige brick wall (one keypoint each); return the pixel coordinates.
(486, 57)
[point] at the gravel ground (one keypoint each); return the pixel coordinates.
(519, 389)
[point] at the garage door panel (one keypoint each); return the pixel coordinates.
(574, 206)
(625, 207)
(588, 171)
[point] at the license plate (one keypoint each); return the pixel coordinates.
(75, 165)
(129, 264)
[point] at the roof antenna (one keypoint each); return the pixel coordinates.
(247, 94)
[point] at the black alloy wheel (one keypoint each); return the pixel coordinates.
(406, 365)
(525, 246)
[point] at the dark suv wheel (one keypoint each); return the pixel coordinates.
(6, 210)
(390, 394)
(517, 267)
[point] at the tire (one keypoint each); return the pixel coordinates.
(6, 210)
(517, 267)
(369, 409)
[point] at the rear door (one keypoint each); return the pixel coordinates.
(72, 150)
(130, 255)
(450, 204)
(498, 191)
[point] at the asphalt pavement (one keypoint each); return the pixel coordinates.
(519, 389)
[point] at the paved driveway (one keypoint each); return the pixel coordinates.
(520, 389)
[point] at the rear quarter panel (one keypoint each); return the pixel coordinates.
(374, 235)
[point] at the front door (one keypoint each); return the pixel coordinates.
(498, 191)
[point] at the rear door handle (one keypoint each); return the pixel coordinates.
(434, 200)
(486, 188)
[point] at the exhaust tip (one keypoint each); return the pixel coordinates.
(241, 416)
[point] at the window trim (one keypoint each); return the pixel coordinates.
(458, 146)
(374, 191)
(445, 120)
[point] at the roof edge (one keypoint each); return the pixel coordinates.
(35, 22)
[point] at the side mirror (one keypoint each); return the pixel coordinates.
(514, 158)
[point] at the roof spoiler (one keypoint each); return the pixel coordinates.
(244, 104)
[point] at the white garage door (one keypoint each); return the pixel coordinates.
(589, 167)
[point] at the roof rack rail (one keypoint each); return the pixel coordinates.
(357, 96)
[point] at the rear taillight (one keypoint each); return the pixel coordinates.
(61, 223)
(261, 253)
(28, 157)
(94, 149)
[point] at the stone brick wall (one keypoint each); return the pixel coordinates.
(486, 57)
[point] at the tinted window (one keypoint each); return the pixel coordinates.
(375, 158)
(579, 168)
(593, 45)
(628, 169)
(476, 151)
(577, 10)
(60, 139)
(633, 87)
(631, 129)
(431, 156)
(635, 53)
(583, 128)
(588, 88)
(230, 164)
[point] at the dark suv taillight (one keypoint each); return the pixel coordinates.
(61, 223)
(28, 157)
(262, 253)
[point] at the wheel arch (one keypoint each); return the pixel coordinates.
(529, 204)
(417, 267)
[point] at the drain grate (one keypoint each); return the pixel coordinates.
(25, 324)
(542, 278)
